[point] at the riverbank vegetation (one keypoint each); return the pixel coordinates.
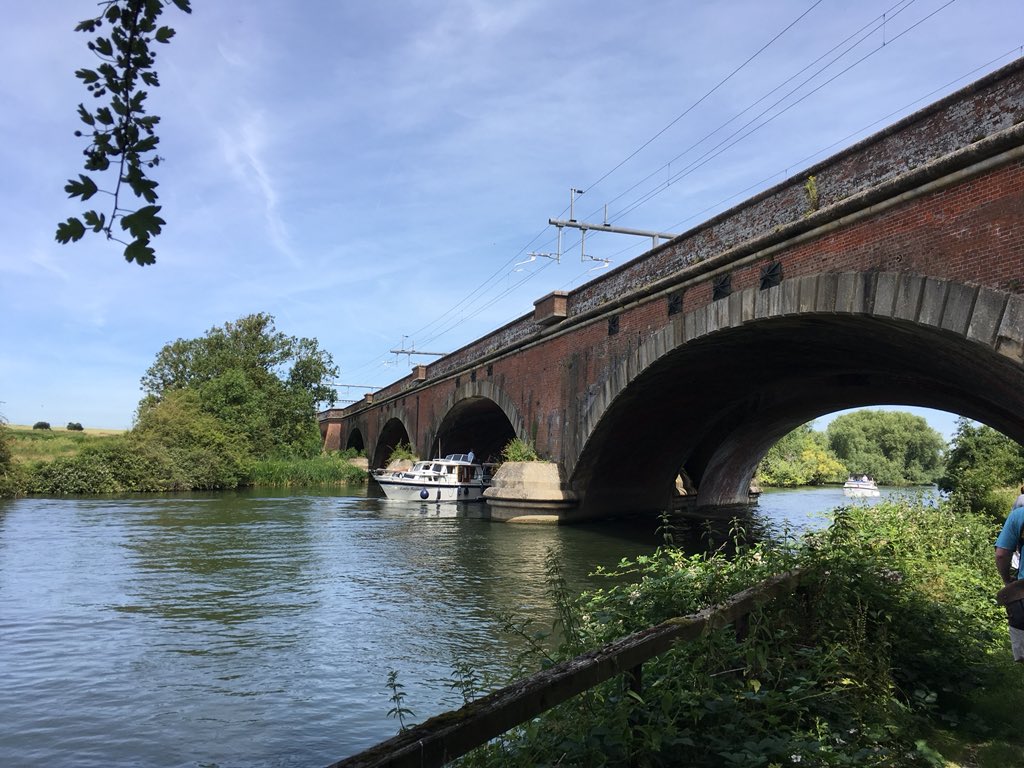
(984, 469)
(895, 654)
(893, 447)
(233, 408)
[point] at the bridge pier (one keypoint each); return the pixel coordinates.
(530, 492)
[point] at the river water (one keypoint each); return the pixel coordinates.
(259, 629)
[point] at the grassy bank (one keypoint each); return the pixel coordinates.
(895, 655)
(30, 445)
(59, 462)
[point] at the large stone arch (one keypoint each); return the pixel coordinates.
(478, 416)
(393, 432)
(715, 389)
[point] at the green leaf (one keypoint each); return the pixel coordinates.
(104, 47)
(87, 76)
(143, 187)
(150, 78)
(71, 230)
(95, 221)
(139, 251)
(144, 222)
(85, 188)
(135, 103)
(104, 116)
(147, 144)
(164, 35)
(184, 5)
(86, 115)
(89, 25)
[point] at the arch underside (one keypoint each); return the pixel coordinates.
(391, 436)
(355, 440)
(714, 405)
(474, 424)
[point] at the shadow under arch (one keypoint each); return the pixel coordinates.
(355, 440)
(712, 393)
(391, 434)
(480, 417)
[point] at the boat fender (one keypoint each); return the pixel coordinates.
(424, 493)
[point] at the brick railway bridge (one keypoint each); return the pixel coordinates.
(892, 272)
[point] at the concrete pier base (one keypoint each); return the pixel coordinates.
(529, 492)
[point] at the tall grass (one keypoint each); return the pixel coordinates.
(325, 470)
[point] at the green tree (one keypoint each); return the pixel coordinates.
(894, 447)
(981, 462)
(258, 381)
(122, 137)
(800, 458)
(205, 451)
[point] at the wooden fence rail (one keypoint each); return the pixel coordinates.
(452, 734)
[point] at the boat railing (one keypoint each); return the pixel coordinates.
(448, 736)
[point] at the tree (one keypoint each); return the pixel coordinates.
(894, 447)
(800, 458)
(263, 384)
(203, 450)
(982, 461)
(122, 137)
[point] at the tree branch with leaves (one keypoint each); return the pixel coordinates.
(122, 136)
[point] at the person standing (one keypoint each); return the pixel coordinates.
(1008, 547)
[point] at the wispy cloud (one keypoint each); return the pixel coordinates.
(245, 149)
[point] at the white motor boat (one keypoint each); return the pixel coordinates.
(453, 478)
(860, 486)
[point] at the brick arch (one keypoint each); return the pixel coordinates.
(394, 428)
(474, 390)
(910, 339)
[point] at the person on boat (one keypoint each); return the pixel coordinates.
(472, 455)
(1008, 544)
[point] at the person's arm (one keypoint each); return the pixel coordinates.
(1003, 558)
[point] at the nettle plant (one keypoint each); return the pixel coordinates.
(122, 136)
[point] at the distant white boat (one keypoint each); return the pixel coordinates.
(860, 486)
(454, 478)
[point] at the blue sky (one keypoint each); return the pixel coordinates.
(372, 174)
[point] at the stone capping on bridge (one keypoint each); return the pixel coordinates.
(969, 131)
(445, 737)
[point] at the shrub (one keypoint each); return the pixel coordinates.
(202, 450)
(41, 425)
(85, 473)
(518, 449)
(402, 452)
(892, 625)
(11, 476)
(75, 426)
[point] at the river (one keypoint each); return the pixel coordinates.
(258, 629)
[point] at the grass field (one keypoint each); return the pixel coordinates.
(29, 445)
